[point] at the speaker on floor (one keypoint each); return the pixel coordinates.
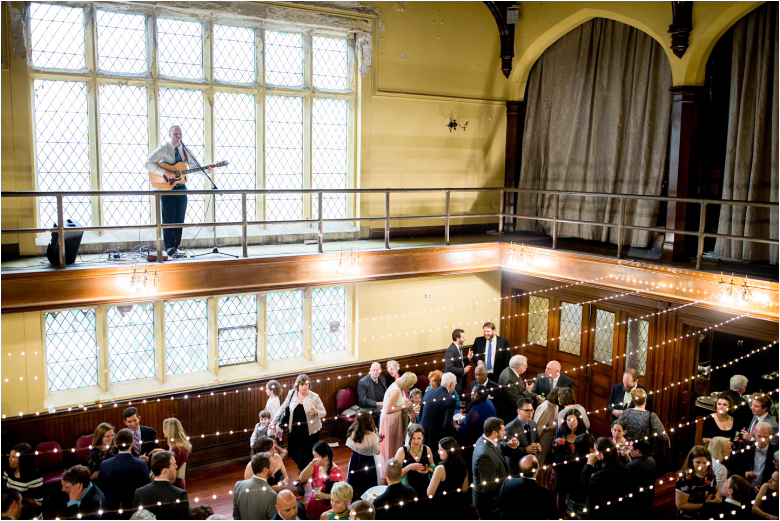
(72, 243)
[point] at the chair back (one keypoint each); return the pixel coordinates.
(48, 454)
(422, 383)
(346, 397)
(82, 448)
(699, 429)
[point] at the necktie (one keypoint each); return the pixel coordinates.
(753, 426)
(137, 442)
(177, 156)
(489, 360)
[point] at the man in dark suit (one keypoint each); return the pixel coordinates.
(759, 409)
(456, 361)
(620, 396)
(551, 377)
(606, 481)
(642, 467)
(86, 501)
(513, 387)
(491, 350)
(437, 409)
(288, 507)
(736, 496)
(162, 491)
(524, 498)
(756, 462)
(388, 504)
(489, 469)
(144, 438)
(481, 378)
(741, 413)
(254, 498)
(522, 437)
(371, 391)
(120, 476)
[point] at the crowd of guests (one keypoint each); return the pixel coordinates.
(504, 446)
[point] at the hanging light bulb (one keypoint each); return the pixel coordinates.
(341, 268)
(726, 291)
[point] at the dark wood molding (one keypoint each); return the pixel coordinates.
(684, 165)
(506, 33)
(682, 25)
(515, 123)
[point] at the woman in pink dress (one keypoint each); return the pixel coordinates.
(391, 421)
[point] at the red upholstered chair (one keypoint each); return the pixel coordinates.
(346, 399)
(48, 458)
(82, 448)
(422, 383)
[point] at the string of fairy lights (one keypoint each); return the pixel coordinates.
(595, 411)
(639, 489)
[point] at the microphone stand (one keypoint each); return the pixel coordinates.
(213, 187)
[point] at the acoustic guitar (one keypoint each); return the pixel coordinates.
(176, 174)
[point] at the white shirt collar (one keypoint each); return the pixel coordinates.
(494, 443)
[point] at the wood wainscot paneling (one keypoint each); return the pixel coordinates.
(219, 420)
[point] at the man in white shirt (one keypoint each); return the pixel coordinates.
(174, 207)
(491, 350)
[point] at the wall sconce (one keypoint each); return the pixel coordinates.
(745, 296)
(453, 125)
(140, 280)
(350, 264)
(726, 290)
(521, 257)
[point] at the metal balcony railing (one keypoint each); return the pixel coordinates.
(447, 216)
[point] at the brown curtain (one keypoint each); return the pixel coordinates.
(751, 147)
(598, 111)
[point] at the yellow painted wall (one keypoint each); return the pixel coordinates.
(384, 310)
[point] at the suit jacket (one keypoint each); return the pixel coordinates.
(366, 396)
(119, 477)
(455, 362)
(524, 498)
(771, 421)
(743, 461)
(513, 456)
(543, 384)
(742, 414)
(501, 360)
(392, 498)
(253, 498)
(487, 464)
(603, 485)
(148, 443)
(436, 411)
(162, 491)
(91, 503)
(512, 389)
(642, 475)
(301, 512)
(727, 510)
(490, 385)
(615, 400)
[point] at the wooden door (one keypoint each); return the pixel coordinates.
(603, 355)
(570, 324)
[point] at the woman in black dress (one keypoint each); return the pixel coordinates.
(450, 482)
(363, 439)
(720, 423)
(417, 461)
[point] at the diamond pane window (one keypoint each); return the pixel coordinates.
(636, 345)
(131, 346)
(235, 134)
(237, 329)
(180, 48)
(284, 324)
(283, 156)
(283, 59)
(71, 349)
(329, 155)
(330, 63)
(328, 319)
(571, 328)
(57, 36)
(62, 148)
(121, 42)
(604, 339)
(184, 107)
(234, 54)
(537, 320)
(124, 145)
(186, 336)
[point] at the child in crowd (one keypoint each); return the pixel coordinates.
(415, 395)
(261, 428)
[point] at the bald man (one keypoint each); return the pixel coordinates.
(513, 498)
(371, 390)
(287, 507)
(551, 377)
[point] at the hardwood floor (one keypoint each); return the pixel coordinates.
(219, 480)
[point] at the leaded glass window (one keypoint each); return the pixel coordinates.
(329, 155)
(637, 335)
(237, 329)
(570, 340)
(331, 63)
(235, 133)
(71, 349)
(131, 344)
(604, 337)
(284, 324)
(328, 319)
(186, 336)
(283, 59)
(537, 320)
(283, 156)
(180, 48)
(121, 42)
(57, 36)
(234, 54)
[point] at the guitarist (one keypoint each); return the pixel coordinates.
(174, 207)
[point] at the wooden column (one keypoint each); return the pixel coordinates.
(515, 121)
(684, 164)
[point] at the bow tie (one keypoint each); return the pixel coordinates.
(761, 451)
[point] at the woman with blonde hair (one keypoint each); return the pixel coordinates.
(638, 422)
(180, 445)
(719, 448)
(340, 498)
(391, 421)
(102, 448)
